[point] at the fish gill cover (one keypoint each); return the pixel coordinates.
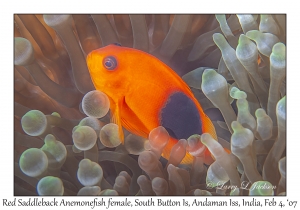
(67, 138)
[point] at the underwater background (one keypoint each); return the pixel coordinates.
(234, 64)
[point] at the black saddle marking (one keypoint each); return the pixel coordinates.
(180, 116)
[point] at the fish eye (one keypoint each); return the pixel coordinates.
(110, 63)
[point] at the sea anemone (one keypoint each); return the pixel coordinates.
(65, 144)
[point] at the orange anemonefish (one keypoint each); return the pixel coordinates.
(145, 93)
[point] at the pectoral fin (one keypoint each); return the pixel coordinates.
(134, 125)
